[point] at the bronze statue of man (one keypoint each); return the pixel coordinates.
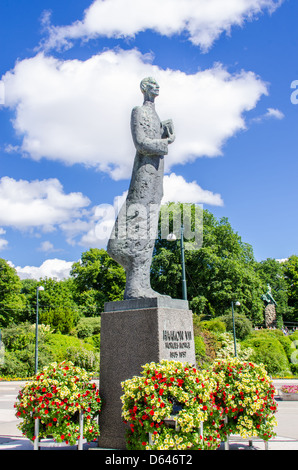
(133, 237)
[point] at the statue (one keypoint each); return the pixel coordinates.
(133, 237)
(267, 298)
(270, 310)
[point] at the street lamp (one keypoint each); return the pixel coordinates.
(172, 237)
(237, 304)
(38, 289)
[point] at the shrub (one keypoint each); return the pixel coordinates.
(270, 352)
(227, 349)
(294, 368)
(55, 397)
(18, 337)
(215, 325)
(200, 349)
(73, 349)
(94, 341)
(243, 326)
(19, 355)
(294, 336)
(88, 326)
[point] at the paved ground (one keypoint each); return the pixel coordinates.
(287, 429)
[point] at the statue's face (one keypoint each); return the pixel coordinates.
(152, 88)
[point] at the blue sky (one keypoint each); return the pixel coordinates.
(69, 77)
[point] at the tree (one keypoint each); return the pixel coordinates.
(221, 271)
(97, 279)
(290, 268)
(57, 306)
(12, 302)
(28, 289)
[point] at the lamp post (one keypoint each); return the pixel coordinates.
(38, 289)
(172, 237)
(237, 304)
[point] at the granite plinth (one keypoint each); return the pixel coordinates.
(137, 304)
(143, 331)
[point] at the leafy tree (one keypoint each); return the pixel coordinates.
(28, 289)
(57, 306)
(12, 302)
(97, 279)
(222, 270)
(291, 278)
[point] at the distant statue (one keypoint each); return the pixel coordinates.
(268, 298)
(133, 237)
(270, 311)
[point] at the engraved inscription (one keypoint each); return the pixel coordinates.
(177, 342)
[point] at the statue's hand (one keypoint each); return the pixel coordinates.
(168, 131)
(171, 138)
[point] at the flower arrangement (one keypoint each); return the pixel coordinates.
(56, 396)
(246, 394)
(198, 402)
(170, 389)
(289, 388)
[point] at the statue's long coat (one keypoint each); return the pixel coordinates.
(133, 237)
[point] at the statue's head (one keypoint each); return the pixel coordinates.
(149, 86)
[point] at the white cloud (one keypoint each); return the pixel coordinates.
(48, 247)
(177, 189)
(52, 268)
(272, 113)
(79, 111)
(43, 204)
(3, 244)
(203, 21)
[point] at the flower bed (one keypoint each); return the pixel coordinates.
(55, 396)
(289, 392)
(289, 389)
(198, 403)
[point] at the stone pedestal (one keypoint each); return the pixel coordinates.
(270, 315)
(133, 333)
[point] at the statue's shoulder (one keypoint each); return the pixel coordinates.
(137, 110)
(139, 113)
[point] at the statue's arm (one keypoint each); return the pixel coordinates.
(143, 143)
